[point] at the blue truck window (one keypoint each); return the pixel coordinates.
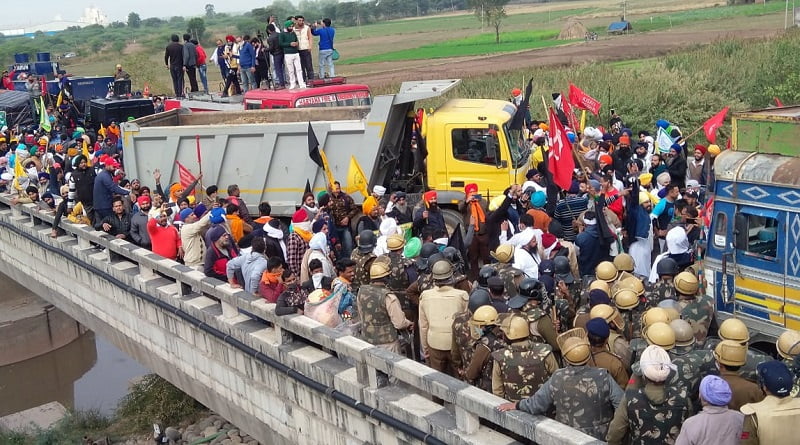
(720, 230)
(762, 236)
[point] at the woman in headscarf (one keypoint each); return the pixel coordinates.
(317, 249)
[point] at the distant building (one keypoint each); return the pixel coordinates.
(91, 16)
(94, 16)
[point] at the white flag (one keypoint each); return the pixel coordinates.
(663, 141)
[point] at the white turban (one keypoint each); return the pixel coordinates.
(656, 364)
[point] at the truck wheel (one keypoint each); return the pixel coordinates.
(354, 225)
(453, 218)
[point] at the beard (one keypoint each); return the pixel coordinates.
(433, 206)
(401, 207)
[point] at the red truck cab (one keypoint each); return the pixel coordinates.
(330, 93)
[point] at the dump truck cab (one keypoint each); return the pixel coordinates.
(752, 262)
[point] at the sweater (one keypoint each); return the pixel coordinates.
(285, 39)
(104, 190)
(165, 239)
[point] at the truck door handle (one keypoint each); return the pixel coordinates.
(456, 183)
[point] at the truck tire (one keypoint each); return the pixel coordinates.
(453, 218)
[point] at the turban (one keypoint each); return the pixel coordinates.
(701, 148)
(217, 216)
(605, 159)
(470, 189)
(369, 205)
(300, 216)
(379, 190)
(185, 213)
(655, 363)
(143, 200)
(625, 140)
(429, 196)
(715, 390)
(539, 199)
(598, 327)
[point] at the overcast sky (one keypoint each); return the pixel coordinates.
(18, 14)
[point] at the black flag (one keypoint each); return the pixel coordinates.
(308, 187)
(457, 240)
(313, 147)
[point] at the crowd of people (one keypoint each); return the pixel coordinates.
(281, 59)
(586, 304)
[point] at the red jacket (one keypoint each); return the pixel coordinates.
(201, 55)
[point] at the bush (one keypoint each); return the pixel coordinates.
(155, 400)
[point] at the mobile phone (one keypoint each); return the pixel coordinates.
(477, 196)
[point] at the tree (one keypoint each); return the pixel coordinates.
(117, 24)
(491, 12)
(176, 20)
(153, 22)
(196, 27)
(210, 13)
(134, 21)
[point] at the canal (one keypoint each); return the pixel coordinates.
(47, 357)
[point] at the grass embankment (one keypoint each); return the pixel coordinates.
(475, 45)
(686, 87)
(151, 400)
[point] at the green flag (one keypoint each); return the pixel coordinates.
(44, 119)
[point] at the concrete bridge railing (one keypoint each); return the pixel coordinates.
(345, 365)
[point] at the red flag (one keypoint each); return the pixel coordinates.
(43, 84)
(199, 158)
(573, 121)
(582, 100)
(186, 176)
(712, 125)
(560, 160)
(778, 102)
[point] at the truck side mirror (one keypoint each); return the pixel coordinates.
(502, 163)
(740, 232)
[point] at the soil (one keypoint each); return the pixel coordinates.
(634, 46)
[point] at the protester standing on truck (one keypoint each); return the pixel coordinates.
(304, 42)
(291, 56)
(231, 56)
(276, 55)
(173, 60)
(202, 68)
(326, 33)
(247, 63)
(190, 61)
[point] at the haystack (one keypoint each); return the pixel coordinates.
(573, 29)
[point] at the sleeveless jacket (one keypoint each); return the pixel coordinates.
(582, 397)
(523, 369)
(363, 263)
(376, 326)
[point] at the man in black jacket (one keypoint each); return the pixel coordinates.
(173, 59)
(676, 166)
(118, 223)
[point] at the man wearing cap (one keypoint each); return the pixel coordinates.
(655, 411)
(584, 397)
(731, 356)
(120, 74)
(520, 368)
(716, 424)
(437, 309)
(773, 420)
(221, 250)
(139, 219)
(598, 333)
(105, 188)
(192, 237)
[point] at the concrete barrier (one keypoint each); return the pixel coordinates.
(269, 406)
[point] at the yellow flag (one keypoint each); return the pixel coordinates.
(102, 131)
(44, 118)
(326, 168)
(85, 152)
(60, 98)
(356, 179)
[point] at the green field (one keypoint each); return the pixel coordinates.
(471, 46)
(673, 19)
(450, 23)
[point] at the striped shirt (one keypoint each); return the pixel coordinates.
(567, 210)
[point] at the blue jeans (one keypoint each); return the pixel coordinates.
(325, 59)
(248, 79)
(343, 234)
(203, 70)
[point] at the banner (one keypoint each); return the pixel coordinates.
(582, 100)
(560, 160)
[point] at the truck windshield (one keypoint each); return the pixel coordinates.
(519, 153)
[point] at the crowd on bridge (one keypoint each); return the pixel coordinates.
(586, 304)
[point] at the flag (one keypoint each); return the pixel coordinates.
(199, 158)
(778, 102)
(522, 110)
(565, 113)
(712, 125)
(85, 152)
(663, 141)
(43, 84)
(561, 164)
(356, 179)
(44, 118)
(60, 98)
(313, 147)
(308, 187)
(186, 177)
(102, 130)
(582, 100)
(457, 240)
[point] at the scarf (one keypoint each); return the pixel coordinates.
(271, 278)
(237, 227)
(476, 210)
(303, 229)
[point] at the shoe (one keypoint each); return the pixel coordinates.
(224, 95)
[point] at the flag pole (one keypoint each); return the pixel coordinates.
(199, 163)
(575, 152)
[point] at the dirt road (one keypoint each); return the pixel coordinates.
(628, 47)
